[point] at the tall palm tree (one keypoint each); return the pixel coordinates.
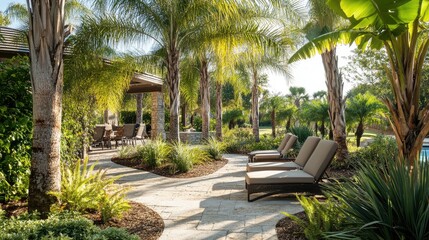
(298, 95)
(170, 24)
(323, 20)
(272, 104)
(46, 38)
(363, 108)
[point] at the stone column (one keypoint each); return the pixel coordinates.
(158, 117)
(139, 109)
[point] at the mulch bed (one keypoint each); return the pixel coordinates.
(288, 230)
(199, 170)
(139, 219)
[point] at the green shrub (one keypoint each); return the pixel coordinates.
(58, 227)
(154, 153)
(83, 189)
(15, 128)
(183, 157)
(386, 202)
(129, 151)
(322, 216)
(381, 149)
(302, 132)
(215, 148)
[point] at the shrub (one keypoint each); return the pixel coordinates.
(129, 151)
(154, 153)
(183, 157)
(83, 189)
(381, 149)
(58, 227)
(322, 217)
(215, 148)
(386, 202)
(302, 132)
(15, 128)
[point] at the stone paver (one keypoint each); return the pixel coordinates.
(209, 207)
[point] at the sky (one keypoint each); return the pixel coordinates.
(307, 73)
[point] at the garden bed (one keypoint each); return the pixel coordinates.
(198, 170)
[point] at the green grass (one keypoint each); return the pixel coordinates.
(267, 130)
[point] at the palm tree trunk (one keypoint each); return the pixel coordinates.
(255, 106)
(359, 133)
(46, 37)
(205, 99)
(334, 83)
(173, 81)
(288, 122)
(184, 106)
(139, 110)
(219, 111)
(323, 129)
(273, 123)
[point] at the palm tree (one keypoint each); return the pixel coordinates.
(297, 94)
(316, 111)
(4, 19)
(273, 104)
(46, 38)
(322, 20)
(399, 28)
(363, 108)
(170, 24)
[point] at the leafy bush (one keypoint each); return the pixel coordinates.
(242, 141)
(129, 151)
(322, 217)
(386, 202)
(83, 189)
(215, 148)
(381, 149)
(302, 132)
(154, 153)
(183, 157)
(59, 227)
(15, 128)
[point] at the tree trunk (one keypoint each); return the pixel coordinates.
(173, 82)
(139, 110)
(205, 99)
(288, 123)
(334, 83)
(45, 38)
(359, 133)
(255, 106)
(219, 111)
(273, 123)
(323, 129)
(184, 106)
(316, 128)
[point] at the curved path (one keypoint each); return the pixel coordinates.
(208, 207)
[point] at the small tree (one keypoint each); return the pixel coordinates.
(363, 108)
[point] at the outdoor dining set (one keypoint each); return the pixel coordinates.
(127, 134)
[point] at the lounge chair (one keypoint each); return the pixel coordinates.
(274, 151)
(299, 162)
(98, 136)
(141, 133)
(305, 180)
(128, 134)
(276, 156)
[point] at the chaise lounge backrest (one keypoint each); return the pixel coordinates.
(306, 150)
(283, 142)
(320, 158)
(129, 130)
(289, 144)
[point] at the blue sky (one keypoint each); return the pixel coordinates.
(306, 73)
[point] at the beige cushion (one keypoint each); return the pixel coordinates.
(306, 150)
(262, 166)
(274, 177)
(289, 144)
(320, 158)
(284, 141)
(267, 157)
(253, 153)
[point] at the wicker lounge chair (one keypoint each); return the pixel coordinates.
(276, 156)
(274, 151)
(305, 180)
(98, 136)
(298, 163)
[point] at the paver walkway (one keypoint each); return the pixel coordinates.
(208, 207)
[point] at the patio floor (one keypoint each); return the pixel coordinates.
(208, 207)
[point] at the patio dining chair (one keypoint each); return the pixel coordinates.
(98, 136)
(141, 133)
(128, 134)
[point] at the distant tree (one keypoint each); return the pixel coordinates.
(298, 95)
(363, 108)
(272, 104)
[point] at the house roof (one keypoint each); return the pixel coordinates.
(13, 42)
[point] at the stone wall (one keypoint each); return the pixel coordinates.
(193, 137)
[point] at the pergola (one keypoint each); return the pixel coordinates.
(12, 44)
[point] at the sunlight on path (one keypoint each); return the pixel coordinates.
(208, 207)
